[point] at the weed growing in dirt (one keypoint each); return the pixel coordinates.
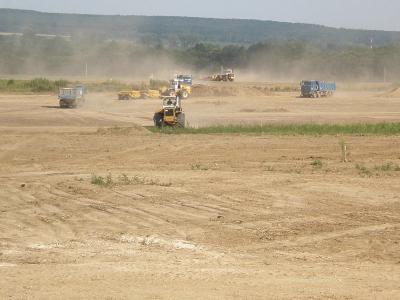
(290, 129)
(198, 167)
(101, 181)
(317, 164)
(388, 167)
(363, 170)
(285, 89)
(126, 180)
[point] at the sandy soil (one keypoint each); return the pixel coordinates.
(206, 217)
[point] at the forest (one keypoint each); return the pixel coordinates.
(273, 59)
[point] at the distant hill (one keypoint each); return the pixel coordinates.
(184, 31)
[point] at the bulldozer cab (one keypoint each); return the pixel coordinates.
(171, 107)
(171, 102)
(171, 113)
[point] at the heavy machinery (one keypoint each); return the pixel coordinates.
(129, 95)
(178, 89)
(136, 94)
(225, 75)
(151, 94)
(71, 97)
(171, 114)
(317, 89)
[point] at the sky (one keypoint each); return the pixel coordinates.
(360, 14)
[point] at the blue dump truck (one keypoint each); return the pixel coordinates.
(316, 89)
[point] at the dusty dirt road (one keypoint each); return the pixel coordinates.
(196, 217)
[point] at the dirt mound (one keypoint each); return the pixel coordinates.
(201, 90)
(393, 93)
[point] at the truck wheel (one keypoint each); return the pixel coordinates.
(185, 94)
(181, 120)
(158, 120)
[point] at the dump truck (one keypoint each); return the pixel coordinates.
(225, 75)
(71, 97)
(317, 89)
(171, 114)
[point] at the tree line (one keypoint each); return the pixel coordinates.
(32, 55)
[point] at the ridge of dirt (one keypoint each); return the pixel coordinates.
(229, 90)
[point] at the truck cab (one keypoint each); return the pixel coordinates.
(309, 88)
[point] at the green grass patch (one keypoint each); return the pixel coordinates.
(289, 129)
(37, 85)
(43, 85)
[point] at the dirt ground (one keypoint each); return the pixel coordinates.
(197, 216)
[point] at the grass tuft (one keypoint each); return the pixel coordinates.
(317, 164)
(363, 170)
(388, 167)
(101, 181)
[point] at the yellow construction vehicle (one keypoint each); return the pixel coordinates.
(225, 75)
(151, 94)
(129, 95)
(177, 89)
(171, 114)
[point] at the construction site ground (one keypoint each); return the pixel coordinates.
(197, 216)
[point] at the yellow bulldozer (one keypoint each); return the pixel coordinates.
(171, 114)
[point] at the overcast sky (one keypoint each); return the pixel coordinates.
(365, 14)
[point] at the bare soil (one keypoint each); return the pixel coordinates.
(210, 216)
